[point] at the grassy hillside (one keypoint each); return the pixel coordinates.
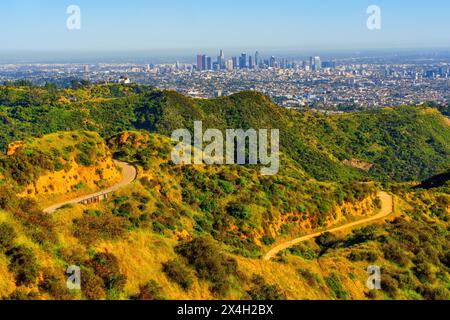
(58, 166)
(401, 144)
(194, 232)
(200, 232)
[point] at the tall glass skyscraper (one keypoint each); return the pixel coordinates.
(222, 59)
(235, 62)
(243, 61)
(317, 63)
(199, 63)
(204, 62)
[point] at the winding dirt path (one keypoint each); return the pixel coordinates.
(387, 208)
(129, 174)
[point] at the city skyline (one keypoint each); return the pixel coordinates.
(182, 26)
(250, 61)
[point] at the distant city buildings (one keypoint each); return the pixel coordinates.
(346, 83)
(246, 61)
(199, 62)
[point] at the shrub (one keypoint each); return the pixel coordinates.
(176, 271)
(226, 186)
(334, 283)
(25, 165)
(303, 251)
(22, 294)
(262, 291)
(83, 160)
(313, 279)
(394, 253)
(377, 203)
(59, 166)
(267, 240)
(158, 227)
(106, 266)
(430, 293)
(92, 286)
(372, 294)
(125, 210)
(7, 237)
(8, 199)
(150, 291)
(55, 285)
(209, 261)
(39, 226)
(23, 264)
(361, 236)
(389, 285)
(239, 211)
(424, 272)
(445, 259)
(370, 256)
(327, 241)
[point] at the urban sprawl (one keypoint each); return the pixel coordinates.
(329, 84)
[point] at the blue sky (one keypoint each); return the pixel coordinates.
(200, 25)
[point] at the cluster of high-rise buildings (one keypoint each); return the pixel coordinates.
(248, 61)
(354, 82)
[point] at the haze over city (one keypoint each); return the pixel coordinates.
(176, 26)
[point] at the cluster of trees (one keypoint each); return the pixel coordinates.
(210, 263)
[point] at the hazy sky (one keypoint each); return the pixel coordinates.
(196, 25)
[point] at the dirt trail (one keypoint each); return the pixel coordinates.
(129, 174)
(387, 208)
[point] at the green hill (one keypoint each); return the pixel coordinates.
(199, 232)
(401, 144)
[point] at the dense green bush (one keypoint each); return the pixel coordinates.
(54, 284)
(150, 291)
(239, 211)
(23, 294)
(263, 291)
(363, 255)
(327, 241)
(7, 237)
(83, 159)
(389, 285)
(25, 166)
(23, 263)
(209, 262)
(176, 271)
(106, 266)
(92, 285)
(362, 235)
(394, 252)
(334, 283)
(313, 279)
(431, 293)
(304, 251)
(38, 225)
